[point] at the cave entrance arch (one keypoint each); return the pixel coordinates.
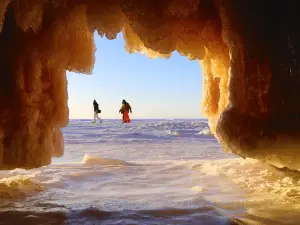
(40, 41)
(249, 52)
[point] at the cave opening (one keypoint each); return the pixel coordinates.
(249, 53)
(157, 88)
(46, 39)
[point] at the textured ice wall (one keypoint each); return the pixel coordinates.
(39, 42)
(248, 50)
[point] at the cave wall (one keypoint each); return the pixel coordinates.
(248, 51)
(262, 120)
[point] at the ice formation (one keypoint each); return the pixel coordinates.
(94, 160)
(18, 185)
(248, 51)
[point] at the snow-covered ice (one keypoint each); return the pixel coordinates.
(148, 172)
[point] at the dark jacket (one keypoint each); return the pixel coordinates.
(96, 107)
(125, 108)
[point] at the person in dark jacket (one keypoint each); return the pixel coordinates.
(125, 109)
(96, 111)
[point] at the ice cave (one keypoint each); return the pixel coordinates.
(249, 51)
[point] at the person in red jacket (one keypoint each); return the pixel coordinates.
(125, 109)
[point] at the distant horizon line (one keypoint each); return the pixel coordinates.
(179, 118)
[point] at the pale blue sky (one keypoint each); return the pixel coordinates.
(155, 88)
